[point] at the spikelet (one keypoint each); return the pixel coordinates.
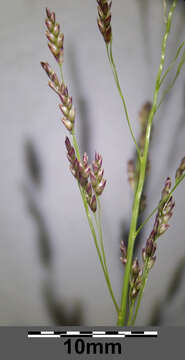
(54, 36)
(104, 19)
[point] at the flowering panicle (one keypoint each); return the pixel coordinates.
(180, 169)
(67, 108)
(82, 172)
(66, 105)
(161, 224)
(96, 175)
(54, 83)
(54, 36)
(135, 279)
(149, 250)
(104, 19)
(165, 210)
(79, 170)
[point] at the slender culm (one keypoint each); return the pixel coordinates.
(89, 176)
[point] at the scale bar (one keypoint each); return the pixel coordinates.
(93, 334)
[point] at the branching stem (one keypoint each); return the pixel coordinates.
(90, 222)
(143, 161)
(102, 259)
(178, 181)
(113, 67)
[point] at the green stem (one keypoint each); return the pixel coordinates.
(165, 11)
(76, 145)
(135, 212)
(102, 261)
(170, 67)
(182, 61)
(143, 161)
(99, 227)
(104, 266)
(61, 72)
(131, 309)
(97, 248)
(113, 66)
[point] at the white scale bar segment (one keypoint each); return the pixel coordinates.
(108, 336)
(73, 333)
(44, 336)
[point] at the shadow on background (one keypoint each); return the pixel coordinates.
(55, 307)
(174, 287)
(81, 102)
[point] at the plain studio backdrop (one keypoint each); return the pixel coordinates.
(49, 269)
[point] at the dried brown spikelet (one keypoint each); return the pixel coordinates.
(104, 19)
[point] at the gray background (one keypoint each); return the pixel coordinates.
(29, 113)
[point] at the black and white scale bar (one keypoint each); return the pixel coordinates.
(91, 334)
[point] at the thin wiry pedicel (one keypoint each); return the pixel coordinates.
(54, 36)
(104, 19)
